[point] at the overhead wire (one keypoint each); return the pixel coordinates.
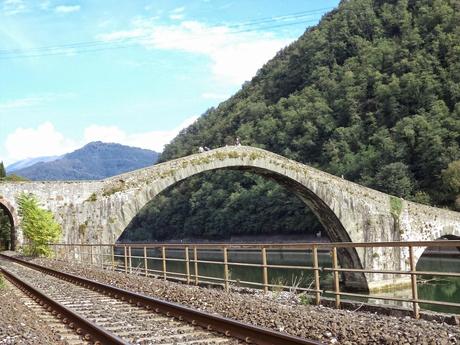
(99, 45)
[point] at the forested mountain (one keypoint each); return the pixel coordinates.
(371, 93)
(93, 161)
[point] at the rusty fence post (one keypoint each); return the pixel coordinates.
(113, 256)
(163, 256)
(195, 259)
(187, 265)
(335, 266)
(126, 258)
(413, 278)
(130, 260)
(226, 268)
(146, 273)
(101, 254)
(316, 273)
(265, 269)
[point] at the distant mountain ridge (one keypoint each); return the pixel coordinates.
(25, 163)
(94, 161)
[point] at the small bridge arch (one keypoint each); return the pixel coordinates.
(10, 211)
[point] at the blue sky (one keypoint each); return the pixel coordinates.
(133, 72)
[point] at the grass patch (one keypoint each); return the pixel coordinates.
(92, 198)
(395, 206)
(112, 190)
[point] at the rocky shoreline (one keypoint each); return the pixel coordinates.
(280, 311)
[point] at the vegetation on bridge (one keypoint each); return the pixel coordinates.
(372, 94)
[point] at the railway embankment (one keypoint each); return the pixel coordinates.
(277, 311)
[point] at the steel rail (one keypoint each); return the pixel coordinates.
(88, 330)
(231, 328)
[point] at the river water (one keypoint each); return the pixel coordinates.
(429, 287)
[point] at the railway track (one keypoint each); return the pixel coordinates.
(102, 314)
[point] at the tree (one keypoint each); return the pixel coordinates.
(38, 225)
(2, 170)
(395, 179)
(451, 177)
(451, 182)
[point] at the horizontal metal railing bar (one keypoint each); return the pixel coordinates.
(449, 274)
(207, 277)
(300, 245)
(291, 267)
(244, 264)
(207, 262)
(173, 259)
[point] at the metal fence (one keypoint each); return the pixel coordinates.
(140, 259)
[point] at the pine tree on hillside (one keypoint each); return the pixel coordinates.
(2, 170)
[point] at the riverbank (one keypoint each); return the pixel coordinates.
(294, 238)
(285, 313)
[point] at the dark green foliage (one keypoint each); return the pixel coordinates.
(94, 161)
(5, 230)
(218, 205)
(451, 180)
(2, 170)
(371, 93)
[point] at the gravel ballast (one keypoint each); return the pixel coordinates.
(328, 325)
(19, 324)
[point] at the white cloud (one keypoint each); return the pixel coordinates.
(67, 8)
(33, 100)
(153, 140)
(235, 56)
(12, 7)
(176, 16)
(45, 140)
(178, 10)
(177, 13)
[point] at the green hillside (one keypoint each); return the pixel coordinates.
(371, 93)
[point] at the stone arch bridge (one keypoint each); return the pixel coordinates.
(99, 211)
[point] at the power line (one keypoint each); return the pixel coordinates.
(95, 46)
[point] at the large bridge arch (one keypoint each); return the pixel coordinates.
(99, 211)
(331, 223)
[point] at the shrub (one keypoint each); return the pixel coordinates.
(38, 225)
